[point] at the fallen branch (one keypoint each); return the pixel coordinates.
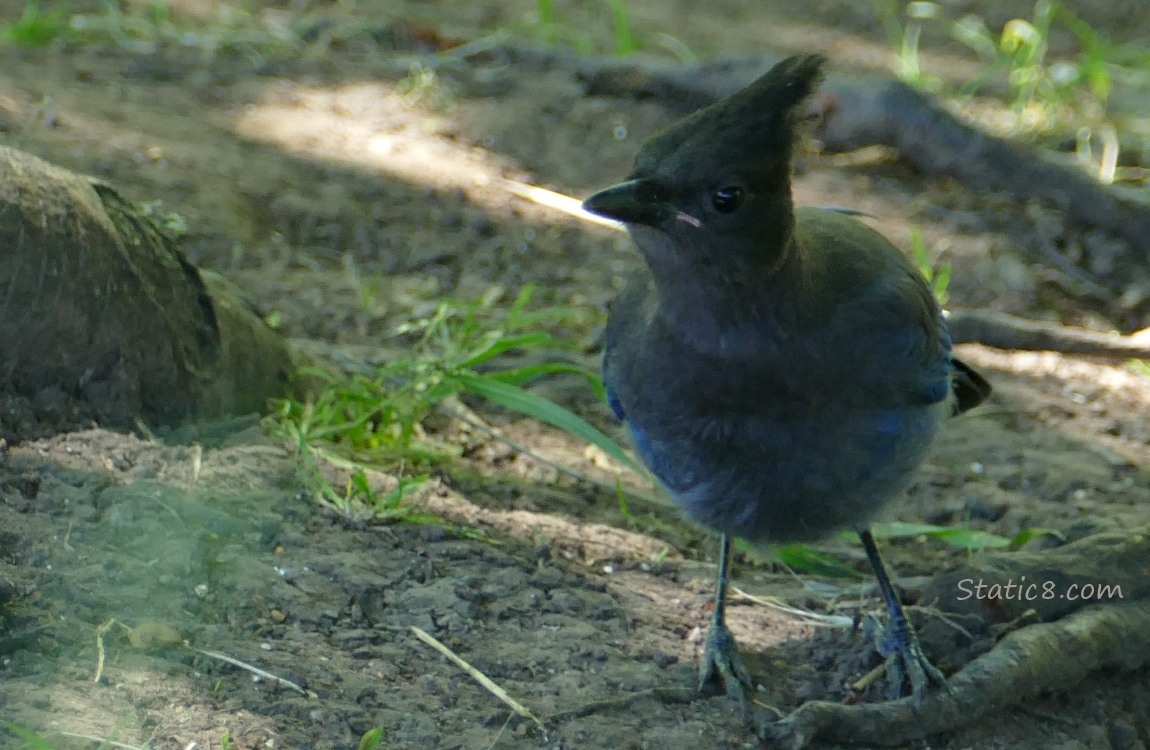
(869, 110)
(1003, 331)
(874, 109)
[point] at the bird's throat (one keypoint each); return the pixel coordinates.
(727, 315)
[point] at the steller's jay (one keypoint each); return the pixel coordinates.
(782, 372)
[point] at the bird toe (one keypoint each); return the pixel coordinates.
(906, 664)
(721, 663)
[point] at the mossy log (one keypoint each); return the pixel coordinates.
(103, 320)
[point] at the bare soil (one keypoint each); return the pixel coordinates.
(305, 179)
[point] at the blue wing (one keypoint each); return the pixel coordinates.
(612, 399)
(848, 211)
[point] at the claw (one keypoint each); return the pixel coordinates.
(905, 661)
(721, 663)
(897, 642)
(720, 653)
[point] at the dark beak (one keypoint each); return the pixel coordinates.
(631, 202)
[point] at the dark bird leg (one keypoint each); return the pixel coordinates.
(720, 654)
(897, 642)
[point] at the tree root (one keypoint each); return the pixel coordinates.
(1037, 659)
(1072, 638)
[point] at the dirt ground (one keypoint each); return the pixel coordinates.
(305, 178)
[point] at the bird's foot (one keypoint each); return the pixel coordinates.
(721, 662)
(905, 661)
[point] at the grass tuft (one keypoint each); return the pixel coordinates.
(374, 417)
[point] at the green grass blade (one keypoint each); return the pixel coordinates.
(532, 405)
(499, 344)
(803, 559)
(955, 536)
(1026, 535)
(621, 23)
(371, 739)
(523, 375)
(35, 741)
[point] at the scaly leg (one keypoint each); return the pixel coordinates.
(897, 642)
(720, 653)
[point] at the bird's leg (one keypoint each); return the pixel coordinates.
(897, 642)
(720, 654)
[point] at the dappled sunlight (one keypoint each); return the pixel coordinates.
(363, 125)
(363, 167)
(373, 126)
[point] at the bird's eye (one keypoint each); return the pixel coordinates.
(727, 200)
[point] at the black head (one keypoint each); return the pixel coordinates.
(721, 172)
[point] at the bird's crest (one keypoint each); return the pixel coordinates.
(755, 127)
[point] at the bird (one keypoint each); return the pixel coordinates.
(781, 371)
